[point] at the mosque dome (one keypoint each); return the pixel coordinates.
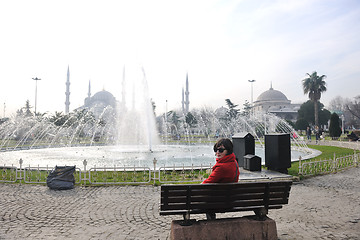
(104, 96)
(272, 95)
(275, 102)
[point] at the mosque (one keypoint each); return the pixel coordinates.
(275, 102)
(100, 100)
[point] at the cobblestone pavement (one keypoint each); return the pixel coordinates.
(325, 207)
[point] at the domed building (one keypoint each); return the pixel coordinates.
(274, 101)
(99, 102)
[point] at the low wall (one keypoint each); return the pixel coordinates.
(228, 228)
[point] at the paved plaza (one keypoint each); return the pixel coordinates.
(324, 207)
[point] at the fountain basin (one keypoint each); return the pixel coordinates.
(123, 155)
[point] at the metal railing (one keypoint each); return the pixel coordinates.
(39, 174)
(183, 173)
(9, 174)
(328, 166)
(109, 175)
(118, 175)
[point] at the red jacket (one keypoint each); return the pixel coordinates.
(225, 170)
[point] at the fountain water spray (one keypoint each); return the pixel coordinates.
(136, 121)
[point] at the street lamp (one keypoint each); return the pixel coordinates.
(251, 81)
(342, 123)
(36, 79)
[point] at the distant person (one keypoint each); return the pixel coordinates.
(226, 168)
(321, 134)
(317, 133)
(294, 135)
(308, 133)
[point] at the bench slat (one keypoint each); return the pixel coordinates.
(221, 198)
(198, 211)
(176, 204)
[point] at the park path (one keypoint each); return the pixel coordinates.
(323, 207)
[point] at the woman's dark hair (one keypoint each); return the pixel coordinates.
(226, 143)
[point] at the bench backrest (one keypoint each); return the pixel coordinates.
(223, 197)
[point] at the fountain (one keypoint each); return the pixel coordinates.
(136, 121)
(130, 135)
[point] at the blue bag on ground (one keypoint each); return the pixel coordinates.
(61, 178)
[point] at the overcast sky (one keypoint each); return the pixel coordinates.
(220, 44)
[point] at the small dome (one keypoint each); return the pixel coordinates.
(272, 95)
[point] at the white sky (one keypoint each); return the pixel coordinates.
(220, 44)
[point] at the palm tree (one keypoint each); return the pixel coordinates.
(314, 85)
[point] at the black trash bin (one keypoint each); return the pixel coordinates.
(278, 152)
(252, 162)
(244, 143)
(61, 178)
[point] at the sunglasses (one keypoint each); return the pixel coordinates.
(220, 150)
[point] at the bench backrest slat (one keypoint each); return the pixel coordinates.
(223, 197)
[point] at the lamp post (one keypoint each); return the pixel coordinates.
(251, 81)
(342, 123)
(36, 80)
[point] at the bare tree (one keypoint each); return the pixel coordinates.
(347, 108)
(338, 104)
(354, 107)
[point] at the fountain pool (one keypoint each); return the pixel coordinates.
(123, 155)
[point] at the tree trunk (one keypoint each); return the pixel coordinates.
(316, 107)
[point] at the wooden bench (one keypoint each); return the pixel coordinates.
(189, 199)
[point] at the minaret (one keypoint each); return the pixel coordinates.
(182, 101)
(123, 92)
(87, 100)
(187, 102)
(67, 93)
(89, 91)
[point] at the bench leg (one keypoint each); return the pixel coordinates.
(186, 216)
(210, 216)
(187, 221)
(261, 213)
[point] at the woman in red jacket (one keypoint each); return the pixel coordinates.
(226, 169)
